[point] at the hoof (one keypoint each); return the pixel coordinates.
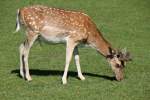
(64, 81)
(29, 78)
(81, 77)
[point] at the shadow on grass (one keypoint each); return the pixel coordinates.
(60, 73)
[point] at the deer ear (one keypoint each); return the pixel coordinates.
(111, 51)
(124, 51)
(125, 55)
(128, 56)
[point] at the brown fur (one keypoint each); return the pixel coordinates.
(78, 25)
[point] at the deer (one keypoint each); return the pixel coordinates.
(73, 28)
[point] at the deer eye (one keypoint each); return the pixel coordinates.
(118, 56)
(118, 66)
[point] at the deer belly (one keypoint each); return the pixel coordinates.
(54, 39)
(54, 35)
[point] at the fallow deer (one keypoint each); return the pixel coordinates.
(70, 27)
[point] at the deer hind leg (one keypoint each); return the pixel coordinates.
(77, 62)
(69, 51)
(24, 53)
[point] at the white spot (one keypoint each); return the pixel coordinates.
(85, 14)
(29, 15)
(36, 17)
(31, 18)
(30, 23)
(42, 21)
(33, 23)
(35, 27)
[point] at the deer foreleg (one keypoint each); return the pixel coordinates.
(69, 50)
(77, 62)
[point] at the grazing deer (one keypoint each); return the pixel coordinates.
(73, 28)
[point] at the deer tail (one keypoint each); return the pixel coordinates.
(17, 21)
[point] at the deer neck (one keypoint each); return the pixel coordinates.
(100, 44)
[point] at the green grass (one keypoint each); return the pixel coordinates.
(126, 23)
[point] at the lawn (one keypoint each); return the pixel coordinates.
(125, 23)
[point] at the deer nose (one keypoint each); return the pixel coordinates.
(119, 78)
(118, 65)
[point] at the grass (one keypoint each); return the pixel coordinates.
(123, 22)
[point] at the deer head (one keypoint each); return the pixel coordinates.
(117, 60)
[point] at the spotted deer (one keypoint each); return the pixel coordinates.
(70, 27)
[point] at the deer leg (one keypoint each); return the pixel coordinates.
(24, 52)
(77, 62)
(22, 69)
(69, 51)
